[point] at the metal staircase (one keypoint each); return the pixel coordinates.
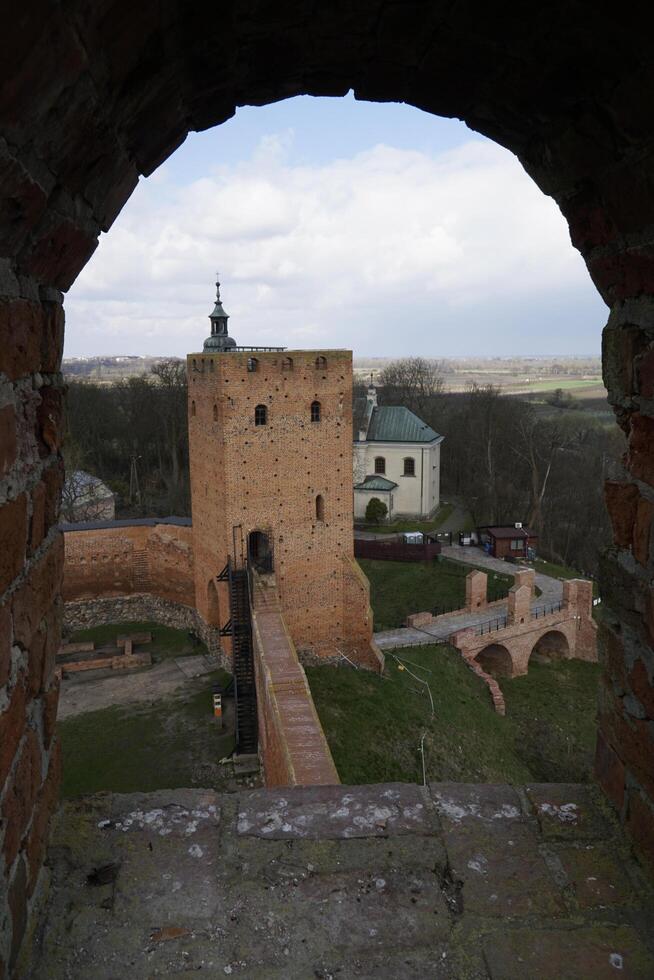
(245, 695)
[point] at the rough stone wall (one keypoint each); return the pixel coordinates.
(142, 608)
(267, 478)
(93, 95)
(122, 560)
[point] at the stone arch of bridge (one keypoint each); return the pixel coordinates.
(552, 645)
(94, 95)
(496, 660)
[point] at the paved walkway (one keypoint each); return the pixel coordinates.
(552, 588)
(451, 882)
(438, 632)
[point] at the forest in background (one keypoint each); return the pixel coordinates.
(505, 458)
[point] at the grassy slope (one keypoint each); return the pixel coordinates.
(374, 724)
(166, 642)
(399, 588)
(164, 745)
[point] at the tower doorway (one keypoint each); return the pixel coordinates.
(260, 551)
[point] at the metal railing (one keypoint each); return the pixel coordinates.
(547, 610)
(491, 626)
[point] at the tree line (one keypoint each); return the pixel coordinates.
(133, 434)
(506, 459)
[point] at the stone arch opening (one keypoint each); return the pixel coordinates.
(553, 645)
(569, 106)
(495, 659)
(260, 552)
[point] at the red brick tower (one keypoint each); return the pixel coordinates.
(270, 439)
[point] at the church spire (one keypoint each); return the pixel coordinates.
(219, 339)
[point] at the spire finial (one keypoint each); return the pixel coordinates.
(217, 285)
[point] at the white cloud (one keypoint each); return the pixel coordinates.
(387, 248)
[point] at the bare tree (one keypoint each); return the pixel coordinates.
(413, 382)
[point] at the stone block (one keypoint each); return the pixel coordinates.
(12, 726)
(34, 598)
(17, 901)
(596, 878)
(621, 502)
(420, 620)
(609, 770)
(62, 249)
(20, 795)
(6, 632)
(50, 419)
(44, 808)
(640, 453)
(13, 534)
(8, 442)
(21, 323)
(37, 517)
(640, 824)
(568, 811)
(642, 685)
(598, 951)
(642, 530)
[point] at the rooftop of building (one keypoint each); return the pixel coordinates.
(375, 482)
(455, 881)
(395, 423)
(508, 531)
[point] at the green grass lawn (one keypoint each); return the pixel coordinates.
(399, 588)
(395, 527)
(374, 724)
(166, 642)
(168, 744)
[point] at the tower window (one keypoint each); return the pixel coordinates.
(321, 363)
(287, 364)
(320, 508)
(253, 364)
(409, 466)
(215, 413)
(260, 415)
(315, 411)
(380, 464)
(192, 408)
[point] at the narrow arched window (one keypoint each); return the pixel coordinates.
(260, 415)
(321, 363)
(287, 364)
(195, 364)
(320, 508)
(315, 411)
(380, 464)
(409, 466)
(215, 413)
(253, 364)
(192, 408)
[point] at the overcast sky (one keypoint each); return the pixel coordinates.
(337, 223)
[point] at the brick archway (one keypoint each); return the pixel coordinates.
(496, 660)
(552, 645)
(93, 95)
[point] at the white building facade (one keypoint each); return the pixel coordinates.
(396, 459)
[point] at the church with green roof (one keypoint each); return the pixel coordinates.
(397, 458)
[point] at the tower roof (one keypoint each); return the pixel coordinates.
(219, 338)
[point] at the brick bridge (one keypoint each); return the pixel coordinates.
(505, 645)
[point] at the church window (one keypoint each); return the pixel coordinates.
(315, 411)
(260, 415)
(380, 464)
(320, 507)
(321, 363)
(409, 466)
(287, 364)
(253, 364)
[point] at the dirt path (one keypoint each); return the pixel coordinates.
(83, 692)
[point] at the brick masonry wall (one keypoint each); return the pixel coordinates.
(268, 477)
(94, 96)
(125, 559)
